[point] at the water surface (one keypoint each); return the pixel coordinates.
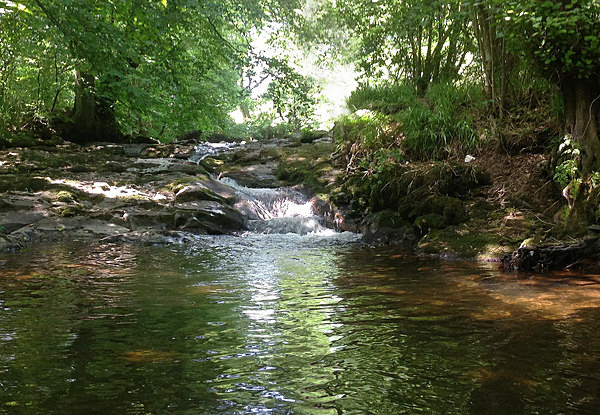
(290, 324)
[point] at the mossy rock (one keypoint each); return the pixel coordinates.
(69, 211)
(428, 222)
(388, 219)
(212, 164)
(23, 183)
(112, 166)
(308, 136)
(462, 242)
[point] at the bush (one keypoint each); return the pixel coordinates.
(437, 126)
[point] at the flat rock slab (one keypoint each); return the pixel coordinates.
(11, 221)
(79, 223)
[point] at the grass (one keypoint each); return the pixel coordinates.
(433, 127)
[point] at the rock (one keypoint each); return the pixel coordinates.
(541, 259)
(79, 225)
(227, 193)
(311, 136)
(138, 218)
(387, 228)
(147, 237)
(255, 176)
(140, 139)
(194, 136)
(11, 221)
(208, 217)
(197, 191)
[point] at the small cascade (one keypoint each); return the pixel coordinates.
(277, 211)
(206, 149)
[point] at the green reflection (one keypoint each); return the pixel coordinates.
(289, 325)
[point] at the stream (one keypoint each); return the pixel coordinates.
(289, 318)
(289, 324)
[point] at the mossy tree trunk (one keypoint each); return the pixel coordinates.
(93, 117)
(582, 112)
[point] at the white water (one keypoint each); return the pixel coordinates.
(207, 149)
(281, 211)
(278, 211)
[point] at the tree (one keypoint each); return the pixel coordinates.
(418, 41)
(563, 37)
(142, 64)
(292, 94)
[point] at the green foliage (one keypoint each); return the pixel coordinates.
(293, 96)
(566, 170)
(564, 36)
(161, 67)
(435, 128)
(370, 140)
(430, 128)
(416, 41)
(386, 99)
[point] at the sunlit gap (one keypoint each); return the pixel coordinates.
(107, 190)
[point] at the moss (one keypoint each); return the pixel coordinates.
(70, 210)
(212, 164)
(428, 222)
(112, 166)
(179, 184)
(23, 183)
(464, 242)
(65, 196)
(388, 219)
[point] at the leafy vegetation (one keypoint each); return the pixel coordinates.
(153, 68)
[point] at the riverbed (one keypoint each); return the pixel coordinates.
(289, 324)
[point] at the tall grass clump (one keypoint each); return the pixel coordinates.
(385, 99)
(369, 141)
(438, 126)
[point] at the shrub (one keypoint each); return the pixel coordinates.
(437, 126)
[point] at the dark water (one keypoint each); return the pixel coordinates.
(290, 325)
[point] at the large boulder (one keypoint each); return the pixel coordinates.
(208, 217)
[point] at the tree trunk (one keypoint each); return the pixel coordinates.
(485, 32)
(93, 116)
(84, 117)
(582, 110)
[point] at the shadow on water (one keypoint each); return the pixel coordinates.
(290, 324)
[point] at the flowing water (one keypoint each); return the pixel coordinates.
(290, 324)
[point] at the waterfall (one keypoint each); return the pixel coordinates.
(278, 211)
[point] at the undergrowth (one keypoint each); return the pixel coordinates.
(393, 124)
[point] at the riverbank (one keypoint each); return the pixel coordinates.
(154, 193)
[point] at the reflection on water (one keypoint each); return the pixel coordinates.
(290, 324)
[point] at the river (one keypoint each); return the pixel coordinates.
(289, 324)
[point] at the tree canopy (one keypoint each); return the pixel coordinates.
(150, 64)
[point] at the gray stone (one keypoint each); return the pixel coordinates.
(196, 191)
(11, 221)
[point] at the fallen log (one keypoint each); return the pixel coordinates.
(556, 257)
